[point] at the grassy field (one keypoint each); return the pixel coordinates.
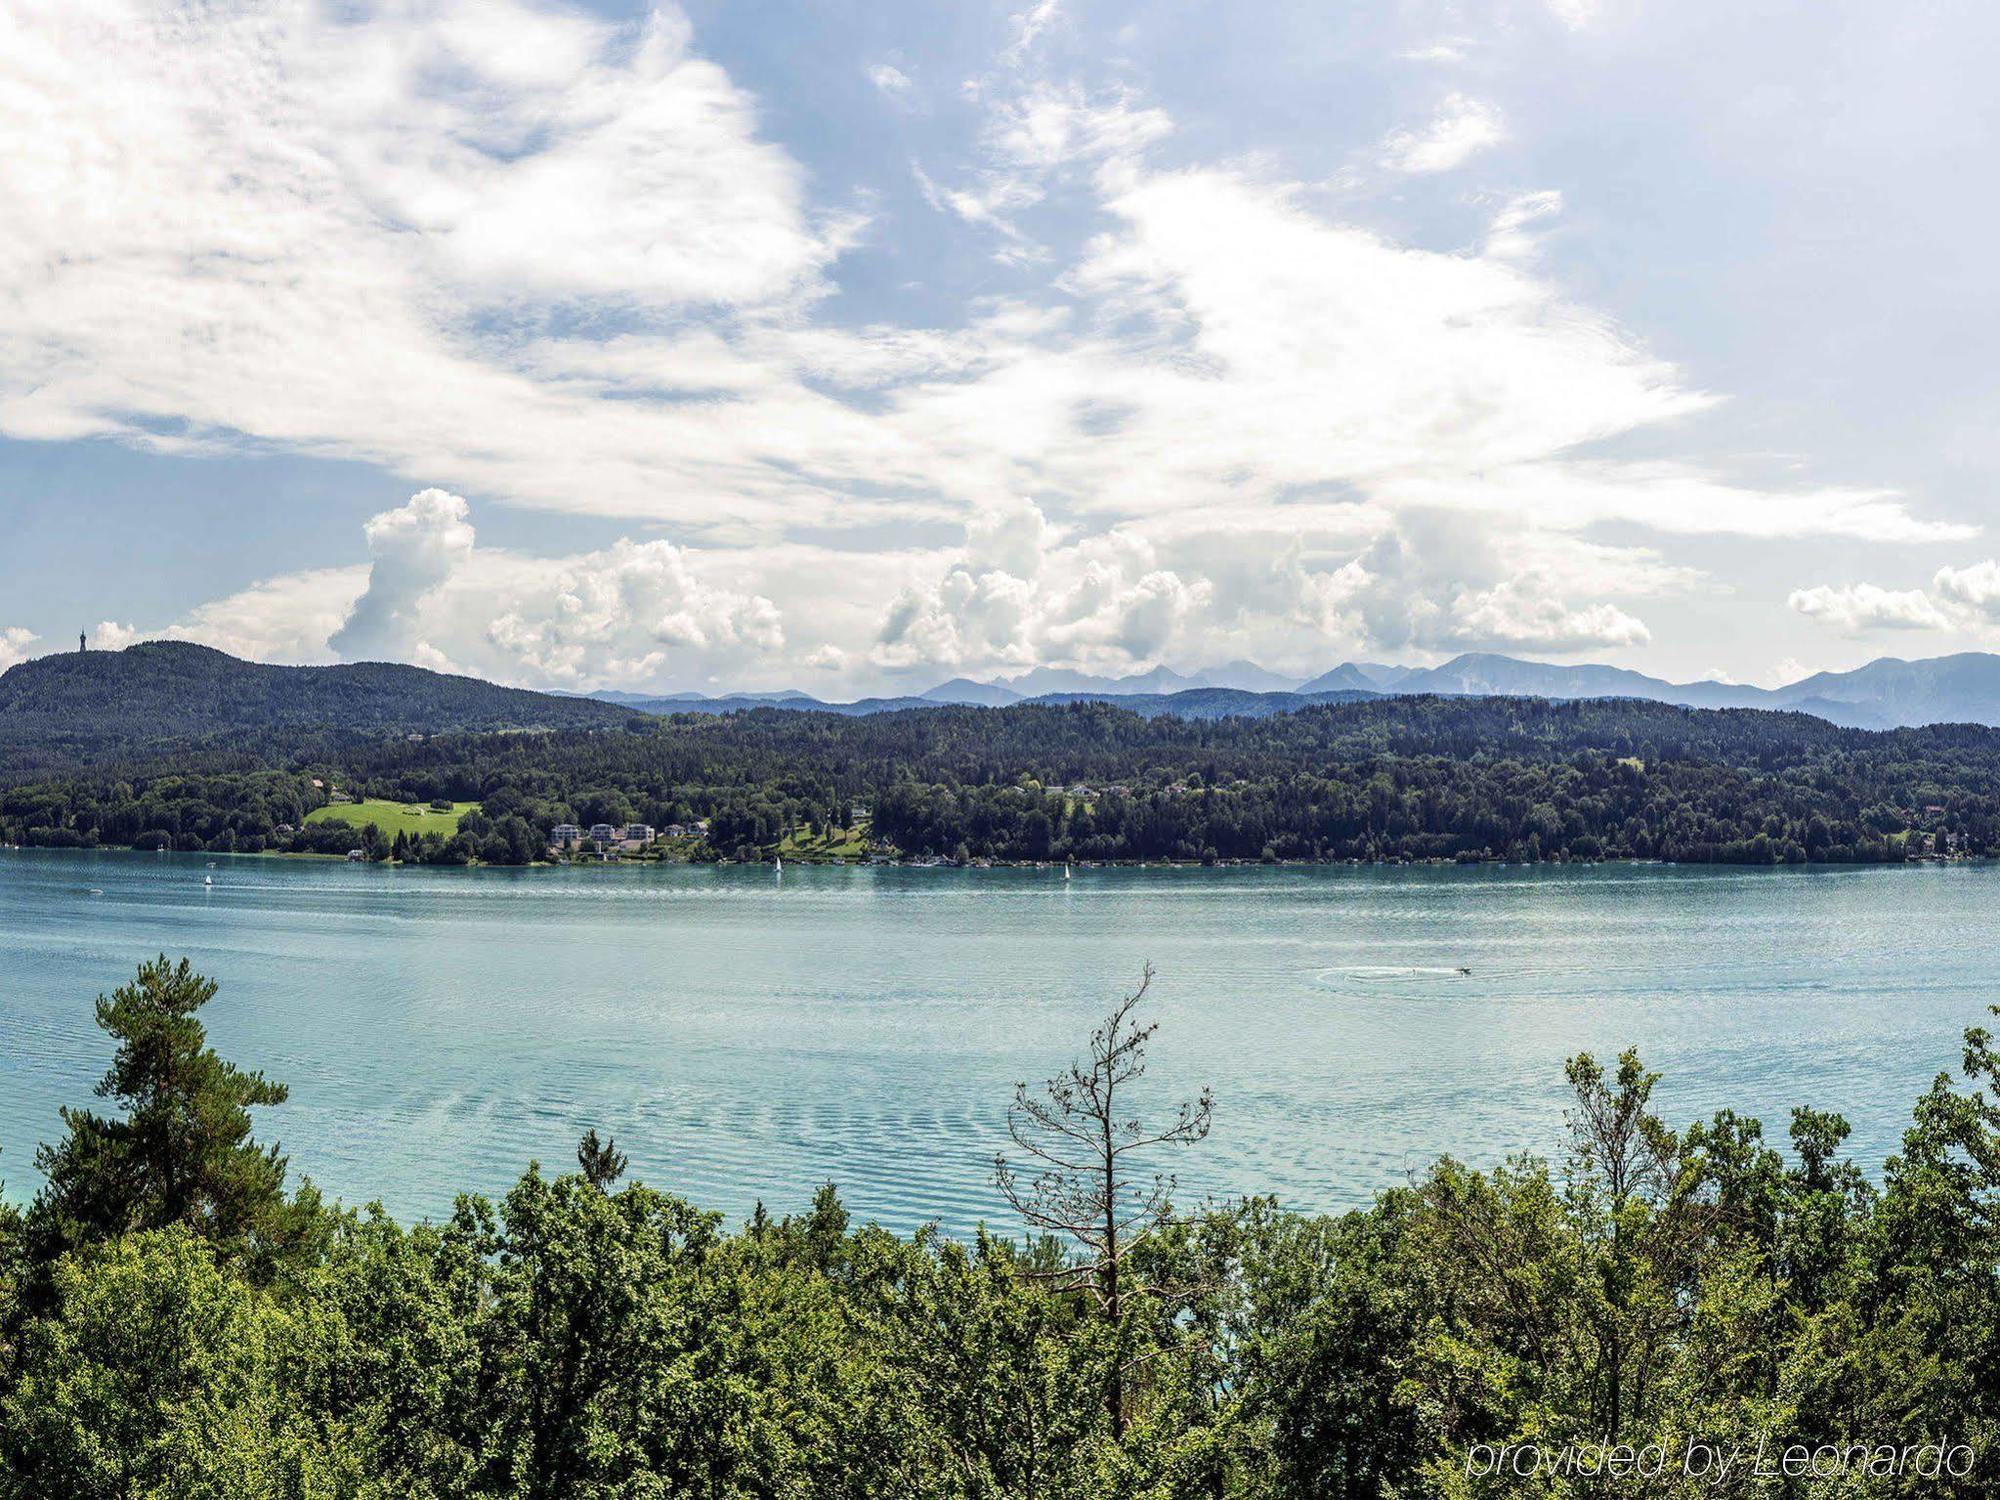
(848, 843)
(393, 818)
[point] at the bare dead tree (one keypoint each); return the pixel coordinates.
(1074, 1180)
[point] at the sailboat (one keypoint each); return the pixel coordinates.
(778, 862)
(208, 880)
(1065, 869)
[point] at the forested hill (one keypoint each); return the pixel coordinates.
(1402, 778)
(84, 705)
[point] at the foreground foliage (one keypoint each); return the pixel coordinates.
(174, 1322)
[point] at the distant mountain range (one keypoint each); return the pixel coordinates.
(74, 706)
(1886, 694)
(1043, 682)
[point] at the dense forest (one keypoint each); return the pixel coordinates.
(1658, 1311)
(1406, 778)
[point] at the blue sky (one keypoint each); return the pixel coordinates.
(850, 347)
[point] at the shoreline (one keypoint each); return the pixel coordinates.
(988, 863)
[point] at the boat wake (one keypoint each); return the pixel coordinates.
(1391, 973)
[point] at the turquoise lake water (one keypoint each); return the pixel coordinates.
(748, 1037)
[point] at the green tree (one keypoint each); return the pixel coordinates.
(601, 1162)
(156, 1372)
(182, 1151)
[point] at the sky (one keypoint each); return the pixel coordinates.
(848, 346)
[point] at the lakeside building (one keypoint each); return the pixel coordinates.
(603, 833)
(565, 834)
(639, 833)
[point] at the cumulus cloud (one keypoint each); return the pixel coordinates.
(634, 614)
(415, 548)
(1019, 591)
(627, 614)
(1011, 536)
(889, 78)
(16, 645)
(1511, 614)
(1859, 607)
(1019, 594)
(288, 618)
(1120, 600)
(1976, 587)
(1459, 131)
(1435, 584)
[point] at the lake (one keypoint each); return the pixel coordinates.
(746, 1036)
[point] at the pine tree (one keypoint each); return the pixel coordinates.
(601, 1162)
(182, 1153)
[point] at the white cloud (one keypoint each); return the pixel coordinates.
(1123, 600)
(1028, 26)
(1460, 130)
(1438, 583)
(529, 256)
(1011, 536)
(1450, 49)
(630, 613)
(889, 78)
(1507, 237)
(1512, 614)
(1019, 592)
(16, 643)
(328, 233)
(1041, 136)
(111, 635)
(416, 548)
(1668, 497)
(288, 618)
(1575, 14)
(1977, 587)
(1049, 127)
(1859, 607)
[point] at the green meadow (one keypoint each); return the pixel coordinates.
(393, 818)
(839, 843)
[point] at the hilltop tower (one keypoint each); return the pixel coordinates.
(81, 645)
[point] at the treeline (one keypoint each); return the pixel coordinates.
(1408, 778)
(1657, 1312)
